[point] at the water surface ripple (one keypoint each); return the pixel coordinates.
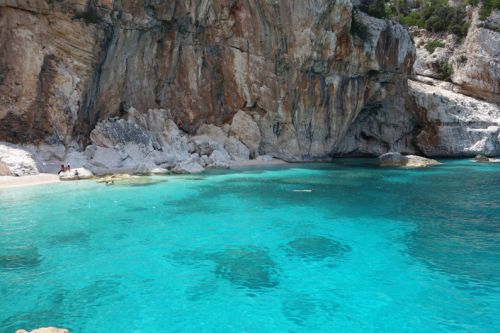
(340, 247)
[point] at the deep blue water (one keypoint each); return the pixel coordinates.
(368, 250)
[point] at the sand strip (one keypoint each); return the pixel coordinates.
(43, 178)
(47, 178)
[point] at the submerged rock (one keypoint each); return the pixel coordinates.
(219, 159)
(249, 267)
(316, 248)
(20, 259)
(236, 149)
(45, 330)
(393, 159)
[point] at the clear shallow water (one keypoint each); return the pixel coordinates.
(368, 250)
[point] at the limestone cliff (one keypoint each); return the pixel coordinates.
(296, 67)
(456, 90)
(141, 84)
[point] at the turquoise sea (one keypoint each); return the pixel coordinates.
(254, 250)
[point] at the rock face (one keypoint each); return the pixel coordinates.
(285, 78)
(455, 124)
(16, 162)
(461, 116)
(409, 161)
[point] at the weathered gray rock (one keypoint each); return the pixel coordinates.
(244, 128)
(45, 330)
(427, 63)
(213, 132)
(393, 159)
(19, 161)
(474, 61)
(236, 149)
(219, 159)
(139, 143)
(188, 167)
(104, 158)
(455, 124)
(204, 145)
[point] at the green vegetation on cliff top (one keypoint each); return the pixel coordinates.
(432, 15)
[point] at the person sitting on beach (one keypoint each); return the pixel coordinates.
(63, 169)
(68, 168)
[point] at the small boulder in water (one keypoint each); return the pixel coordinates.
(482, 158)
(393, 159)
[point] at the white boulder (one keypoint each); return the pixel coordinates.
(213, 132)
(19, 161)
(76, 174)
(246, 130)
(219, 159)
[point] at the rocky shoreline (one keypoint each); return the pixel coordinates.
(151, 90)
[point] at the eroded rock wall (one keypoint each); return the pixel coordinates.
(458, 115)
(294, 66)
